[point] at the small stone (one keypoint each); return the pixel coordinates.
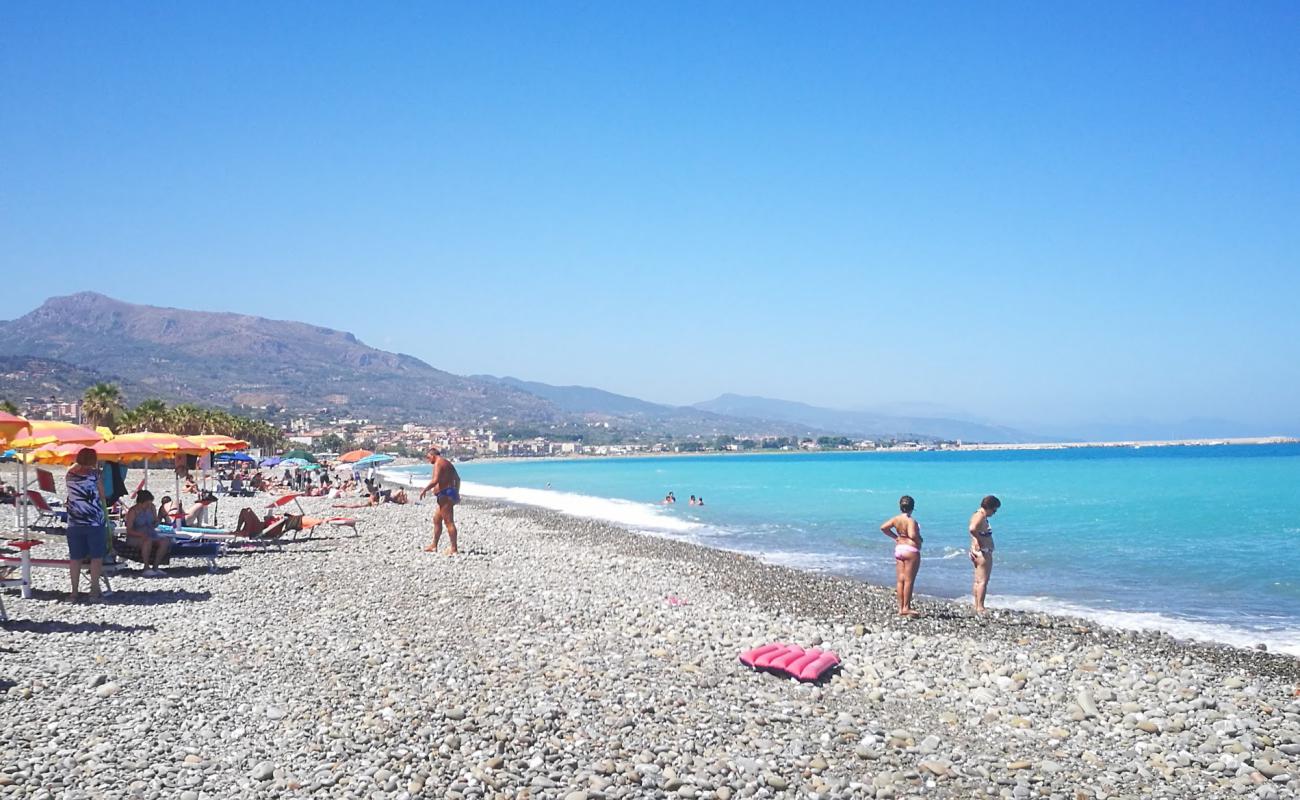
(276, 712)
(456, 714)
(108, 690)
(1088, 705)
(96, 680)
(576, 796)
(775, 781)
(263, 771)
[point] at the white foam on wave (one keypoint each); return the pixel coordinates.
(1280, 640)
(641, 516)
(810, 562)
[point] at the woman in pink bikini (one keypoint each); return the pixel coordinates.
(906, 533)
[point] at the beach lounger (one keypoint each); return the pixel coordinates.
(46, 514)
(308, 525)
(208, 551)
(45, 481)
(26, 564)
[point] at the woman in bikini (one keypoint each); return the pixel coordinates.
(906, 533)
(981, 548)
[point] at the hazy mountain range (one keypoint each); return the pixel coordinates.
(228, 360)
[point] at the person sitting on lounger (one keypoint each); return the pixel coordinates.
(142, 530)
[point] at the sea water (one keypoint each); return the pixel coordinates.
(1199, 541)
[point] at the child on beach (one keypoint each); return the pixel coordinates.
(981, 548)
(906, 533)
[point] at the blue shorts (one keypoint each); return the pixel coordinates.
(450, 493)
(87, 541)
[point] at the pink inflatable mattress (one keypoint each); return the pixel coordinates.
(791, 660)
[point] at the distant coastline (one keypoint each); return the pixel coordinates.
(976, 447)
(1135, 443)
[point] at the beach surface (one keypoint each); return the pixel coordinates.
(565, 658)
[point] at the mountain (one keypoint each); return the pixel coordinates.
(22, 377)
(224, 359)
(598, 405)
(861, 423)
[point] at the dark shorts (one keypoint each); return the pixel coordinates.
(86, 541)
(450, 494)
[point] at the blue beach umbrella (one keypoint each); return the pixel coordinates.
(240, 457)
(374, 461)
(270, 461)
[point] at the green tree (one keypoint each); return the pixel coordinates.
(8, 407)
(331, 442)
(102, 403)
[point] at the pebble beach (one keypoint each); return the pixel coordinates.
(564, 658)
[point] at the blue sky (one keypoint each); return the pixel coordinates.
(1033, 213)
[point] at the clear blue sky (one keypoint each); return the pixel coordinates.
(1029, 212)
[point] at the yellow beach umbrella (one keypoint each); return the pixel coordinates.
(219, 442)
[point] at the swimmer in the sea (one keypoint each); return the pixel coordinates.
(906, 533)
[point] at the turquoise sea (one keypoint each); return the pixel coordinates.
(1200, 541)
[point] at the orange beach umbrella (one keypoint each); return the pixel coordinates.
(116, 450)
(43, 431)
(168, 443)
(354, 455)
(10, 425)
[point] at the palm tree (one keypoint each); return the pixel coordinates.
(102, 403)
(8, 407)
(150, 414)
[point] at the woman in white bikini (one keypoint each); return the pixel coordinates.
(906, 533)
(981, 548)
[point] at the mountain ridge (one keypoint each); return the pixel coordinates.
(223, 358)
(861, 423)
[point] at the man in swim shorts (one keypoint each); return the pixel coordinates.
(445, 485)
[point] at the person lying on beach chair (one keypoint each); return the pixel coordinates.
(251, 525)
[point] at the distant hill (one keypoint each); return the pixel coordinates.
(224, 359)
(861, 423)
(598, 405)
